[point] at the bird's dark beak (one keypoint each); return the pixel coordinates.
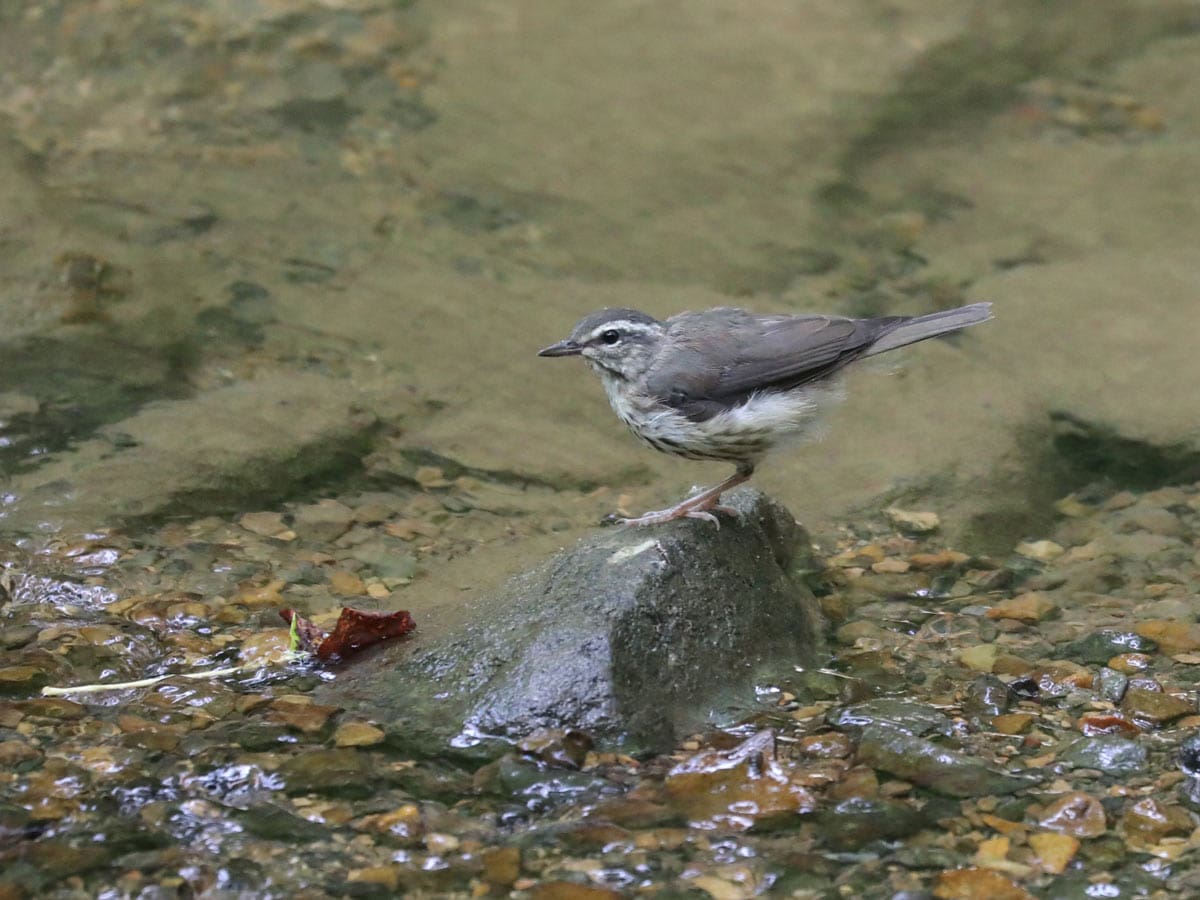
(562, 348)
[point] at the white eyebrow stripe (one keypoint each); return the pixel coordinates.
(623, 325)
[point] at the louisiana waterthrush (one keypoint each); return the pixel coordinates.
(728, 384)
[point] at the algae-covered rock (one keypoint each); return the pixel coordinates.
(633, 634)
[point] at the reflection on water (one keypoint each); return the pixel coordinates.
(272, 280)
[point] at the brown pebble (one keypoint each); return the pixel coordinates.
(346, 583)
(1130, 663)
(1077, 814)
(941, 560)
(1029, 608)
(1156, 708)
(501, 866)
(1012, 723)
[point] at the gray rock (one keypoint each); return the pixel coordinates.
(941, 769)
(1110, 753)
(325, 520)
(633, 635)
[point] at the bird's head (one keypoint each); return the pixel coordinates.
(618, 343)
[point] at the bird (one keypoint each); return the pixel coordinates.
(728, 384)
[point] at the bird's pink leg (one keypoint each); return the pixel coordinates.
(699, 506)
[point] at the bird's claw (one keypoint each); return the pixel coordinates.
(670, 515)
(703, 514)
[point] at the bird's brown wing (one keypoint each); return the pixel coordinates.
(718, 359)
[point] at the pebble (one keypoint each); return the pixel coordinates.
(324, 521)
(913, 521)
(1054, 851)
(1155, 707)
(347, 584)
(1150, 819)
(501, 866)
(1114, 755)
(1077, 814)
(1028, 608)
(265, 524)
(387, 877)
(980, 657)
(1172, 636)
(944, 559)
(358, 734)
(1012, 723)
(1043, 551)
(1130, 663)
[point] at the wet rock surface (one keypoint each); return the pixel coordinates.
(633, 634)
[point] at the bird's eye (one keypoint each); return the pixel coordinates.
(611, 336)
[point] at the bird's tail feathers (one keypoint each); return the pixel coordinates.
(922, 328)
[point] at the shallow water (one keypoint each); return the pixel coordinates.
(294, 261)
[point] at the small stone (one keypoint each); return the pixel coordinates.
(431, 477)
(1043, 551)
(387, 877)
(411, 529)
(357, 734)
(263, 595)
(977, 884)
(831, 745)
(1154, 707)
(1130, 663)
(14, 752)
(441, 844)
(1111, 684)
(944, 559)
(341, 772)
(1054, 851)
(1150, 820)
(300, 714)
(1070, 507)
(1010, 664)
(739, 788)
(266, 524)
(1171, 635)
(1100, 646)
(1011, 723)
(570, 890)
(1028, 608)
(22, 680)
(501, 866)
(402, 822)
(912, 521)
(1077, 814)
(266, 647)
(347, 584)
(1156, 521)
(980, 658)
(371, 513)
(1111, 754)
(1121, 500)
(324, 521)
(1098, 723)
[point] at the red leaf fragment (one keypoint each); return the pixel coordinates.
(1107, 724)
(356, 629)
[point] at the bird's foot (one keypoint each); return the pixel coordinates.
(703, 505)
(699, 507)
